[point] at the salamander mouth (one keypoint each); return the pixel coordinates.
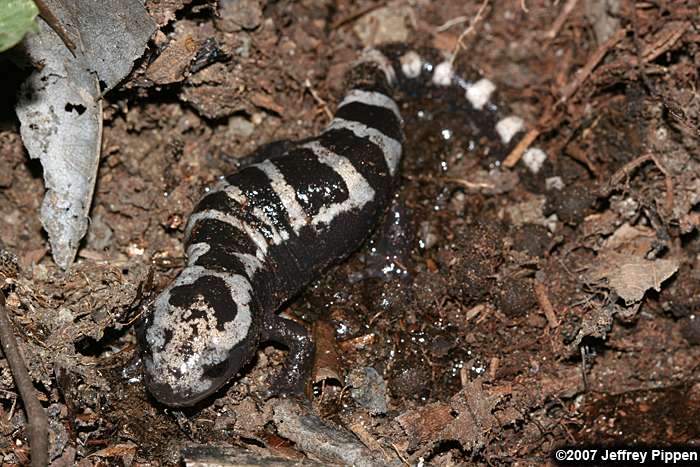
(165, 394)
(175, 389)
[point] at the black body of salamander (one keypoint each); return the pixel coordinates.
(266, 231)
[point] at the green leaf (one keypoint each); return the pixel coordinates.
(16, 19)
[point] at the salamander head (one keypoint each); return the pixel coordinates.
(199, 333)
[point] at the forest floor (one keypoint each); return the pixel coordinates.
(541, 308)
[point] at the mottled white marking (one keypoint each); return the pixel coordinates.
(534, 158)
(442, 76)
(554, 183)
(376, 99)
(411, 64)
(359, 191)
(389, 146)
(286, 194)
(278, 235)
(479, 93)
(508, 127)
(371, 55)
(235, 194)
(196, 251)
(257, 237)
(195, 344)
(251, 263)
(231, 191)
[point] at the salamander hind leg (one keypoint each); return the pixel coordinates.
(292, 377)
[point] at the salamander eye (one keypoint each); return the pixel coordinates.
(217, 371)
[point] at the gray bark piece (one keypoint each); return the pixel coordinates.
(312, 435)
(60, 106)
(113, 35)
(221, 456)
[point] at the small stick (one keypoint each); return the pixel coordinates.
(519, 150)
(569, 90)
(584, 368)
(457, 181)
(582, 75)
(36, 416)
(398, 453)
(358, 14)
(319, 100)
(452, 22)
(493, 367)
(546, 305)
(472, 26)
(561, 19)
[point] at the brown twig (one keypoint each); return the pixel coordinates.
(54, 23)
(475, 186)
(546, 305)
(638, 48)
(584, 368)
(561, 19)
(319, 100)
(452, 22)
(520, 148)
(567, 92)
(36, 416)
(582, 75)
(358, 14)
(578, 154)
(472, 27)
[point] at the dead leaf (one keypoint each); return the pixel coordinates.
(118, 450)
(173, 63)
(527, 212)
(475, 419)
(60, 106)
(426, 423)
(633, 240)
(468, 419)
(631, 276)
(164, 11)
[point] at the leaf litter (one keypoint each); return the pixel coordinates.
(465, 364)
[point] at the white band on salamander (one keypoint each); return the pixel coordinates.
(376, 99)
(371, 55)
(257, 237)
(286, 194)
(389, 146)
(359, 191)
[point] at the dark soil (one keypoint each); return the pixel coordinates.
(501, 313)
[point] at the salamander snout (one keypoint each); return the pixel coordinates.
(195, 337)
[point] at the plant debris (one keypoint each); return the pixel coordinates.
(549, 286)
(60, 108)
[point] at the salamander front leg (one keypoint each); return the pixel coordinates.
(292, 377)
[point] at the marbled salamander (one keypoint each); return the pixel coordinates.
(264, 232)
